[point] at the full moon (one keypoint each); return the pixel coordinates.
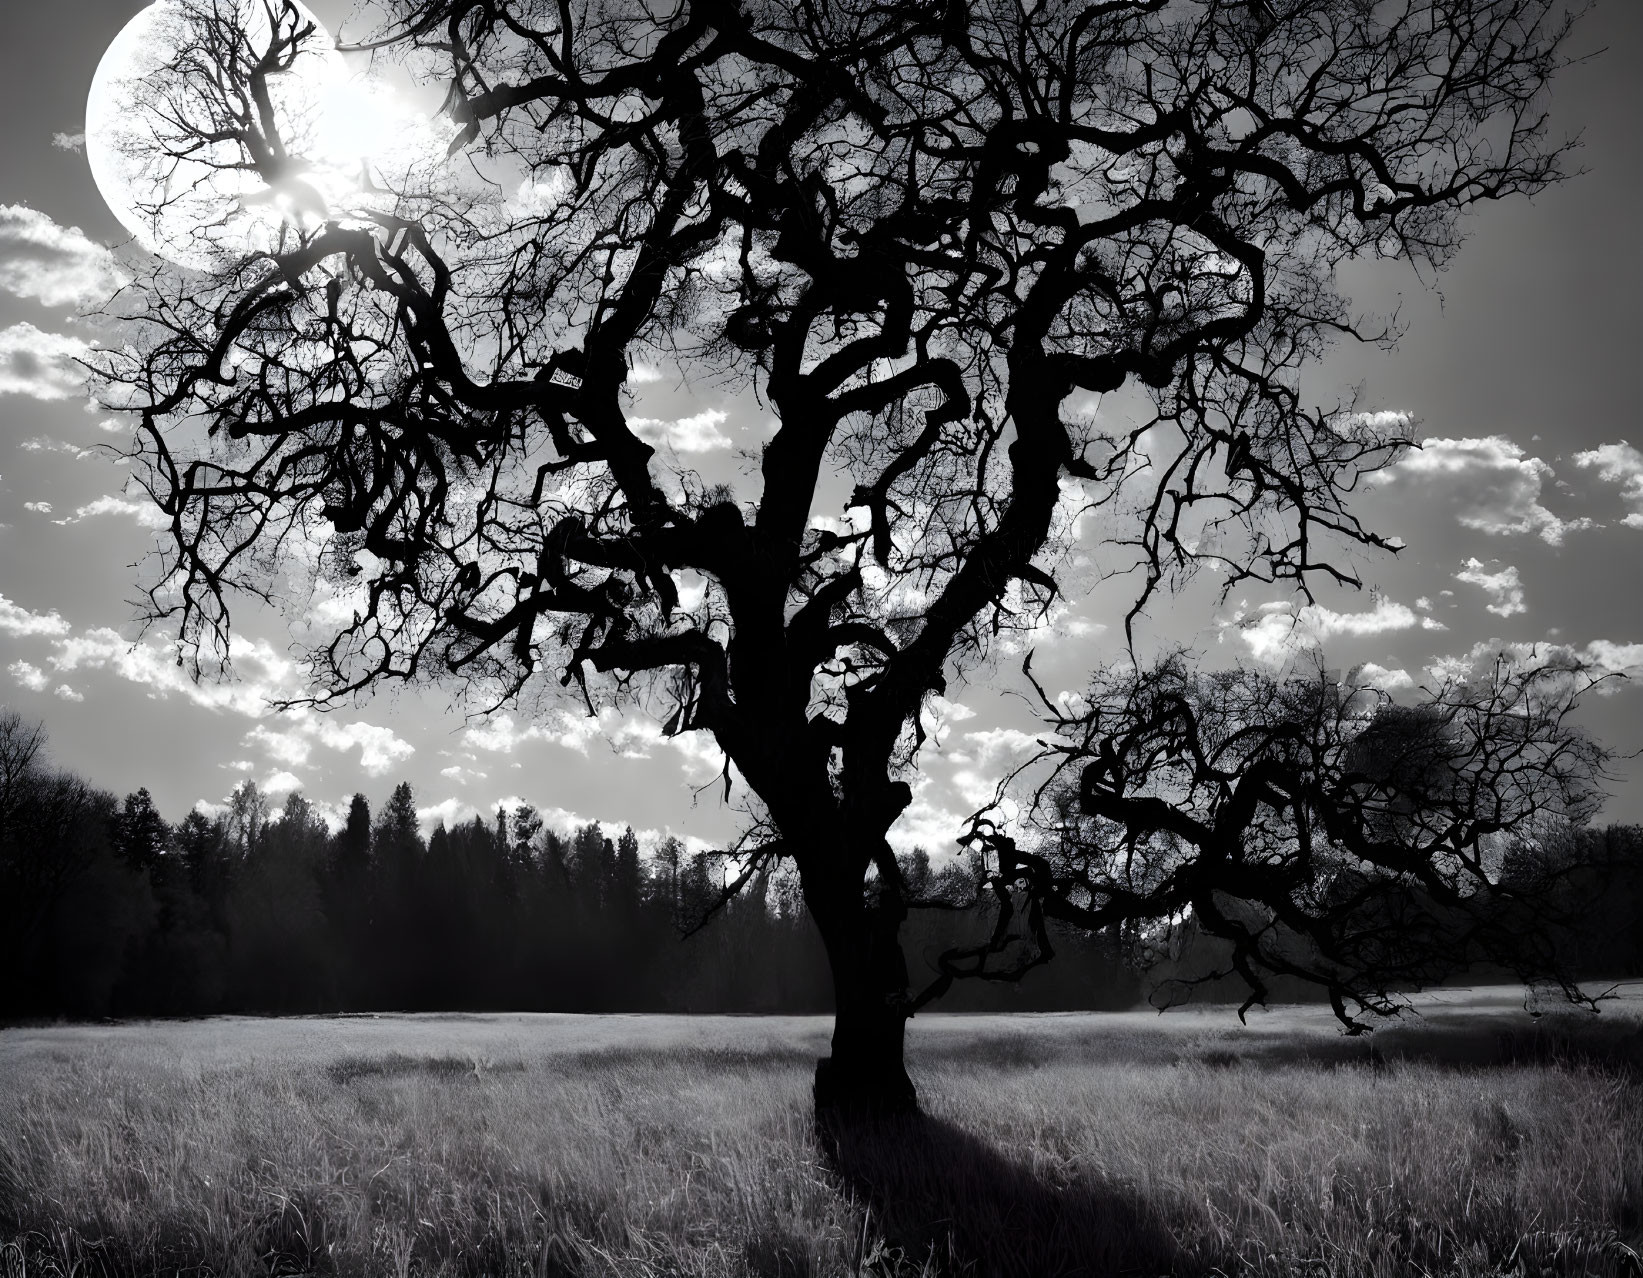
(186, 154)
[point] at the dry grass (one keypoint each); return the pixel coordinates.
(1477, 1143)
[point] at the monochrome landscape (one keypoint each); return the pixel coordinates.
(847, 637)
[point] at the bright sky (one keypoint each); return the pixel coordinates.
(1523, 516)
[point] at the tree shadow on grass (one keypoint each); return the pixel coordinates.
(945, 1202)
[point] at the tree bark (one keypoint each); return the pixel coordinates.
(867, 1072)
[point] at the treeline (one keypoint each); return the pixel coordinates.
(107, 909)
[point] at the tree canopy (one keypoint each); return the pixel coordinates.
(924, 234)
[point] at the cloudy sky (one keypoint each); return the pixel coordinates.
(1523, 515)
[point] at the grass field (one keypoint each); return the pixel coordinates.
(1473, 1141)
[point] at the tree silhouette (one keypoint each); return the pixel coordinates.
(1317, 828)
(141, 835)
(925, 234)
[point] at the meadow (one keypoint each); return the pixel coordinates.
(1472, 1140)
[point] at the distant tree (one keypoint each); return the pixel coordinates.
(246, 819)
(353, 841)
(141, 836)
(926, 236)
(278, 936)
(70, 905)
(202, 843)
(396, 840)
(627, 876)
(400, 904)
(21, 743)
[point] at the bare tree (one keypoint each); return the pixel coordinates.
(52, 826)
(20, 745)
(919, 231)
(1320, 829)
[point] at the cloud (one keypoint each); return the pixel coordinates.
(290, 748)
(1496, 485)
(145, 513)
(55, 265)
(262, 673)
(1371, 675)
(379, 747)
(40, 364)
(927, 823)
(1385, 419)
(291, 744)
(38, 507)
(67, 693)
(1600, 658)
(31, 677)
(45, 444)
(500, 735)
(1280, 630)
(696, 434)
(19, 622)
(69, 141)
(987, 755)
(448, 812)
(1618, 464)
(1504, 589)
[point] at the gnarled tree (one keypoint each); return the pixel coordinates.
(1316, 827)
(923, 233)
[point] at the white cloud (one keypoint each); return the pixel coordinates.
(1371, 675)
(987, 755)
(1424, 603)
(56, 265)
(38, 507)
(632, 736)
(1618, 464)
(145, 513)
(19, 622)
(1385, 419)
(927, 823)
(448, 812)
(642, 374)
(293, 741)
(262, 673)
(45, 444)
(1600, 657)
(1280, 630)
(1496, 485)
(40, 364)
(69, 141)
(67, 693)
(379, 747)
(31, 677)
(1502, 586)
(289, 748)
(698, 433)
(499, 735)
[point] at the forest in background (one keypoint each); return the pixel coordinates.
(108, 909)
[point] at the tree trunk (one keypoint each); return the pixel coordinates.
(866, 1073)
